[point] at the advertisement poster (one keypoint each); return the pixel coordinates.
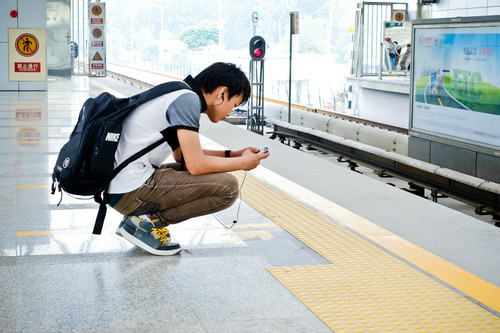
(27, 55)
(456, 82)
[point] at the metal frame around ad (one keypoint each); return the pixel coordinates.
(442, 136)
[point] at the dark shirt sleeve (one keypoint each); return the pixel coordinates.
(183, 113)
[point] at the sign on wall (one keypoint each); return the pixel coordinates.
(97, 50)
(27, 55)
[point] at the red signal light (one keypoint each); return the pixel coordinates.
(257, 48)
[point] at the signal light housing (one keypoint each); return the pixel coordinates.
(257, 48)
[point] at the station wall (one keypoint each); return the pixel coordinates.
(27, 15)
(465, 8)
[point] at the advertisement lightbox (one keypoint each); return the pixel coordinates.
(456, 80)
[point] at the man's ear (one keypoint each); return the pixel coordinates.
(221, 92)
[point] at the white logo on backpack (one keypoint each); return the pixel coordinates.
(65, 162)
(113, 137)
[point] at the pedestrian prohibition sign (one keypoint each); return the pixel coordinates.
(27, 45)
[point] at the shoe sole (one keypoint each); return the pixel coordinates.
(146, 247)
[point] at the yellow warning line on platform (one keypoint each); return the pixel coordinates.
(32, 142)
(52, 232)
(365, 288)
(32, 187)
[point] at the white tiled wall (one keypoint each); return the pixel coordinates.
(494, 10)
(453, 8)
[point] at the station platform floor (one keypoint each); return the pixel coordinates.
(317, 247)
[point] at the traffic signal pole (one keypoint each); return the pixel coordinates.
(255, 115)
(255, 118)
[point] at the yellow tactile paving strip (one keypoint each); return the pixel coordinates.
(365, 288)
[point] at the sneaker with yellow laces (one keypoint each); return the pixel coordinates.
(150, 236)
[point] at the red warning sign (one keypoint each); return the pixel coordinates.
(27, 67)
(27, 45)
(27, 55)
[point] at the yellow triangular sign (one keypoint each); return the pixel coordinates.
(97, 56)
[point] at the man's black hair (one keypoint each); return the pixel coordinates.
(227, 75)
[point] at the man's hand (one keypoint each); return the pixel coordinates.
(253, 158)
(199, 162)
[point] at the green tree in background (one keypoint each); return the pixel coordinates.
(200, 35)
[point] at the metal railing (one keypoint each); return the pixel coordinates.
(482, 194)
(79, 36)
(369, 35)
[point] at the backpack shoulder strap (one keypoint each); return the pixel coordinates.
(161, 89)
(154, 92)
(101, 214)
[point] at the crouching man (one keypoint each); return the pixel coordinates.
(152, 195)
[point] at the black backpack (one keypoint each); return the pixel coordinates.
(85, 165)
